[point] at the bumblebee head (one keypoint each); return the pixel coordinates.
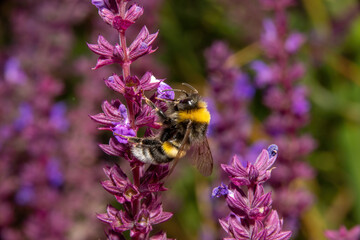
(189, 101)
(192, 101)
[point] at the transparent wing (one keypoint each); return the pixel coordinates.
(202, 158)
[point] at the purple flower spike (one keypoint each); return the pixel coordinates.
(343, 233)
(289, 107)
(251, 214)
(140, 204)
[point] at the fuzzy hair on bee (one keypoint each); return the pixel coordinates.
(184, 126)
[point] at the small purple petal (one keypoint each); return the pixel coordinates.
(98, 3)
(24, 195)
(219, 191)
(58, 117)
(272, 150)
(25, 118)
(13, 72)
(167, 94)
(124, 130)
(300, 104)
(294, 42)
(54, 173)
(264, 73)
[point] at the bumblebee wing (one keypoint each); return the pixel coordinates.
(182, 147)
(202, 158)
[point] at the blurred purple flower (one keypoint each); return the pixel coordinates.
(289, 110)
(270, 40)
(13, 72)
(265, 74)
(25, 118)
(343, 233)
(231, 93)
(58, 117)
(300, 104)
(54, 174)
(294, 42)
(217, 55)
(25, 194)
(243, 90)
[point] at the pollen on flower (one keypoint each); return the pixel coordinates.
(130, 192)
(261, 210)
(153, 79)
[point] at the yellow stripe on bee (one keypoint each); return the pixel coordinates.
(170, 150)
(200, 115)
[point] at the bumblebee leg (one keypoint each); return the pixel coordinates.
(158, 111)
(165, 100)
(130, 139)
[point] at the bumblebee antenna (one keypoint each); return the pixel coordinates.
(191, 87)
(176, 90)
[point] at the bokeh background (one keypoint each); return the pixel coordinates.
(51, 166)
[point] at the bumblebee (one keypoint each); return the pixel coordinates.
(184, 126)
